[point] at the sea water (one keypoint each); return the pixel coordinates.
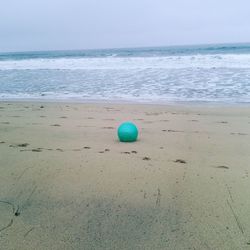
(208, 73)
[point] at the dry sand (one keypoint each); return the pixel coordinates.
(67, 183)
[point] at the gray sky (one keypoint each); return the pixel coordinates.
(83, 24)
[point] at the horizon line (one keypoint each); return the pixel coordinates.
(120, 48)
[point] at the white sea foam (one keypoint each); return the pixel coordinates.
(166, 62)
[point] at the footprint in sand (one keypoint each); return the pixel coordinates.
(36, 150)
(223, 122)
(180, 161)
(125, 152)
(21, 145)
(105, 150)
(222, 167)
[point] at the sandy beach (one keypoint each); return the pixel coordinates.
(66, 182)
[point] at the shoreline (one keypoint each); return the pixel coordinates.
(66, 181)
(129, 102)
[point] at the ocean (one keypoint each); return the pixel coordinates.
(207, 73)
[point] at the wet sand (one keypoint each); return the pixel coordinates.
(67, 183)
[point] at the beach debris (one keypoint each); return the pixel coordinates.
(41, 107)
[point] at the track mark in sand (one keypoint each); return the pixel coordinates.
(17, 213)
(11, 221)
(158, 198)
(229, 192)
(235, 217)
(29, 231)
(55, 125)
(238, 133)
(22, 174)
(2, 142)
(10, 204)
(172, 131)
(146, 158)
(9, 225)
(108, 127)
(29, 197)
(184, 176)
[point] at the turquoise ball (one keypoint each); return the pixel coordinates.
(127, 132)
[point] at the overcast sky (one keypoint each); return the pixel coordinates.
(83, 24)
